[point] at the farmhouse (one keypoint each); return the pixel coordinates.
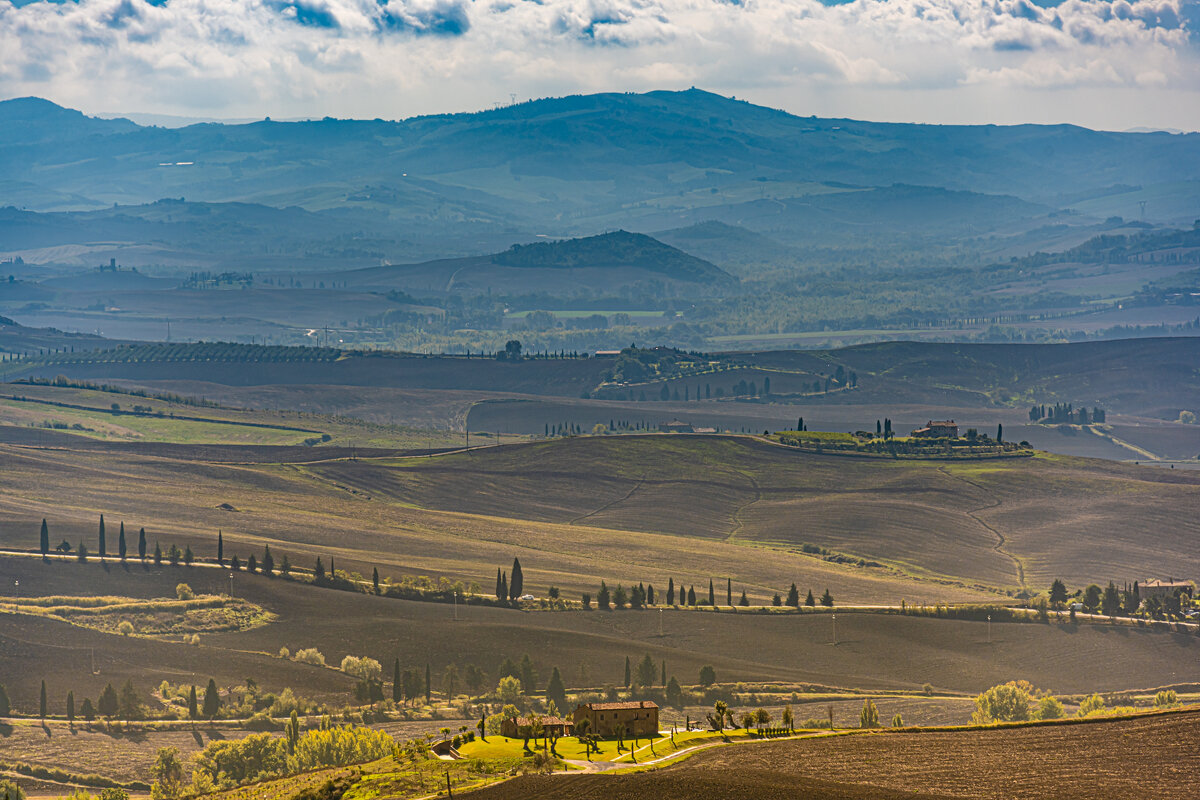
(675, 426)
(946, 429)
(638, 717)
(522, 727)
(1167, 588)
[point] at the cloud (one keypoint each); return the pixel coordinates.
(397, 57)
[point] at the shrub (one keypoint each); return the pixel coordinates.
(184, 592)
(1048, 708)
(11, 791)
(897, 721)
(1166, 699)
(367, 669)
(310, 655)
(1008, 702)
(1092, 705)
(125, 628)
(928, 689)
(284, 653)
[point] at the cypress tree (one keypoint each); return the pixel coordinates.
(220, 549)
(650, 594)
(5, 705)
(375, 579)
(193, 708)
(88, 712)
(691, 595)
(712, 599)
(45, 539)
(501, 592)
(728, 591)
(809, 601)
(142, 544)
(212, 700)
(628, 675)
(42, 701)
(664, 672)
(793, 597)
(103, 543)
(516, 585)
(503, 586)
(428, 685)
(71, 707)
(319, 572)
(557, 693)
(268, 562)
(397, 690)
(122, 549)
(670, 591)
(157, 554)
(252, 564)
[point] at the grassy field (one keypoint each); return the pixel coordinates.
(1073, 762)
(111, 416)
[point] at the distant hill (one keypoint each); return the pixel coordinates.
(567, 164)
(19, 339)
(600, 263)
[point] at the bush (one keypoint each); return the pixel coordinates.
(1166, 699)
(1008, 702)
(1049, 708)
(363, 668)
(1092, 705)
(11, 791)
(184, 592)
(125, 628)
(310, 655)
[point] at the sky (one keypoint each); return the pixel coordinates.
(1112, 64)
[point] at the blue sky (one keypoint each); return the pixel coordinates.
(1103, 63)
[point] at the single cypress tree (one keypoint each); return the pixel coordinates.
(501, 592)
(809, 601)
(428, 685)
(45, 539)
(103, 543)
(745, 601)
(628, 673)
(516, 584)
(793, 597)
(220, 549)
(999, 433)
(193, 708)
(107, 705)
(268, 562)
(712, 599)
(332, 569)
(212, 700)
(5, 705)
(234, 564)
(557, 693)
(319, 572)
(691, 596)
(252, 564)
(503, 586)
(670, 591)
(728, 591)
(122, 548)
(650, 594)
(188, 557)
(157, 553)
(88, 712)
(664, 672)
(375, 579)
(71, 707)
(142, 544)
(42, 701)
(397, 686)
(827, 599)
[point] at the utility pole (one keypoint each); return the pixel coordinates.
(834, 618)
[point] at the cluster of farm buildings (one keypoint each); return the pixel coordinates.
(632, 719)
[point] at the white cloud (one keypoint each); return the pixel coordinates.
(399, 57)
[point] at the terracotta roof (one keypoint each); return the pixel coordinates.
(523, 721)
(622, 706)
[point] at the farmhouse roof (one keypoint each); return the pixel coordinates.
(943, 422)
(523, 721)
(622, 706)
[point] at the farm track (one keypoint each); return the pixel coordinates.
(1001, 542)
(611, 503)
(738, 514)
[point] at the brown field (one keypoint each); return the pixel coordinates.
(875, 652)
(1151, 756)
